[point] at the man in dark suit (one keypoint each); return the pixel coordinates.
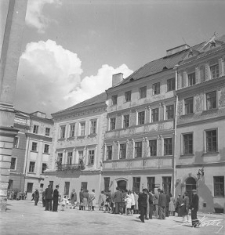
(48, 198)
(142, 204)
(194, 209)
(151, 198)
(162, 205)
(117, 198)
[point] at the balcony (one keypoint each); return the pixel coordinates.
(150, 127)
(165, 162)
(68, 167)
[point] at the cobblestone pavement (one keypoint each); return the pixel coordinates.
(23, 218)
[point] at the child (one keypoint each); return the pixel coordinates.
(107, 204)
(63, 203)
(128, 201)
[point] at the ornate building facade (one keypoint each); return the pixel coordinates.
(77, 146)
(200, 156)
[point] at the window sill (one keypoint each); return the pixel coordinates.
(81, 137)
(71, 138)
(47, 153)
(210, 153)
(187, 155)
(92, 135)
(32, 173)
(61, 139)
(209, 111)
(34, 151)
(187, 115)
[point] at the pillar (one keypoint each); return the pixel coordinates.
(12, 22)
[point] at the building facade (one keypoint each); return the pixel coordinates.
(38, 156)
(77, 146)
(139, 142)
(200, 157)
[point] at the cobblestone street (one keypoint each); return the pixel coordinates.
(22, 217)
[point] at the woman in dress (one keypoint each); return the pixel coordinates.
(56, 199)
(73, 198)
(85, 199)
(172, 205)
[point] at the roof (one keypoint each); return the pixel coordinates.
(101, 98)
(159, 65)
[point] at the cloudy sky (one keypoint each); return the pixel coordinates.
(71, 48)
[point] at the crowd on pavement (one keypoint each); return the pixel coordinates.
(124, 202)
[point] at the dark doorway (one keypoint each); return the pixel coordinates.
(122, 184)
(190, 185)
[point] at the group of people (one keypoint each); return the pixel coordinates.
(87, 200)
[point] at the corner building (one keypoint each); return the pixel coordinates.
(200, 158)
(139, 142)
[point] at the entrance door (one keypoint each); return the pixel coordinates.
(190, 185)
(122, 184)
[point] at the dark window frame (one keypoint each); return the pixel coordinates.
(112, 124)
(32, 167)
(127, 96)
(169, 112)
(188, 143)
(168, 146)
(211, 100)
(138, 149)
(109, 152)
(218, 182)
(114, 99)
(143, 92)
(91, 157)
(170, 84)
(123, 151)
(153, 148)
(156, 88)
(155, 115)
(141, 118)
(13, 163)
(189, 105)
(214, 71)
(191, 79)
(126, 121)
(211, 141)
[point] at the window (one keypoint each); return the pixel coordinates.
(191, 79)
(47, 131)
(126, 119)
(155, 115)
(72, 130)
(151, 184)
(35, 129)
(138, 149)
(136, 184)
(143, 92)
(29, 187)
(31, 167)
(84, 185)
(13, 163)
(166, 185)
(171, 84)
(46, 149)
(122, 151)
(114, 100)
(168, 146)
(128, 96)
(106, 183)
(188, 143)
(82, 129)
(93, 126)
(188, 105)
(44, 167)
(91, 157)
(60, 157)
(218, 186)
(141, 118)
(109, 153)
(66, 188)
(112, 123)
(156, 88)
(69, 158)
(16, 142)
(211, 141)
(211, 100)
(170, 112)
(214, 69)
(34, 146)
(153, 147)
(80, 154)
(62, 132)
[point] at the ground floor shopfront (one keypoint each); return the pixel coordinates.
(208, 180)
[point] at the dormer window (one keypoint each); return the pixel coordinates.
(114, 100)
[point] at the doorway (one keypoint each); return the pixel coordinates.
(190, 185)
(122, 184)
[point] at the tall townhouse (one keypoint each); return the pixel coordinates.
(38, 155)
(200, 137)
(77, 146)
(16, 177)
(139, 142)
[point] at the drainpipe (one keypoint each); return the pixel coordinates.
(175, 132)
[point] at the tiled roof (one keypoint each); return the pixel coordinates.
(101, 98)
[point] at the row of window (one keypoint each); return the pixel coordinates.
(143, 91)
(34, 147)
(210, 98)
(36, 130)
(141, 117)
(138, 149)
(81, 129)
(69, 157)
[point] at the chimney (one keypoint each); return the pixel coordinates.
(177, 49)
(117, 79)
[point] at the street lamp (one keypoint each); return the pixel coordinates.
(200, 173)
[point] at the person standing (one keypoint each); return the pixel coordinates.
(156, 202)
(185, 207)
(101, 200)
(162, 205)
(56, 198)
(91, 200)
(81, 195)
(142, 203)
(117, 200)
(178, 205)
(136, 203)
(85, 199)
(172, 205)
(167, 205)
(132, 202)
(194, 209)
(73, 198)
(151, 198)
(36, 197)
(48, 198)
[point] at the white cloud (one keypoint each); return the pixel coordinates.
(34, 15)
(49, 78)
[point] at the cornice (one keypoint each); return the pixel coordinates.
(8, 131)
(137, 159)
(45, 120)
(39, 137)
(138, 172)
(222, 163)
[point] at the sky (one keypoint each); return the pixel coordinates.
(71, 48)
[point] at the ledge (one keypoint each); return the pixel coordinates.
(208, 154)
(81, 137)
(186, 155)
(92, 135)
